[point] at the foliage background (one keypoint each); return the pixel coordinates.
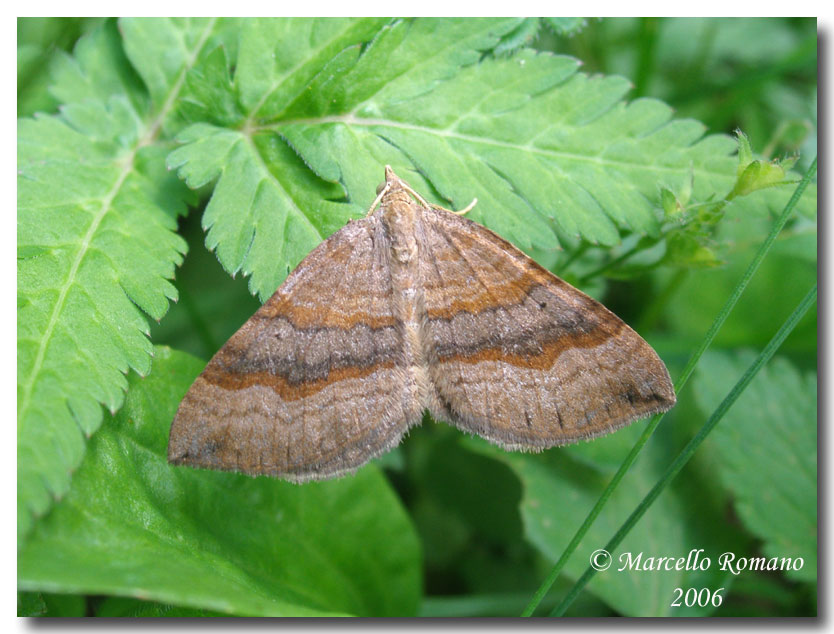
(263, 120)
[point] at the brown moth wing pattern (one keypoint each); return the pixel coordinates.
(312, 386)
(519, 356)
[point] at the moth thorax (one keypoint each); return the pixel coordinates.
(399, 216)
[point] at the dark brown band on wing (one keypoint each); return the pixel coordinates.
(284, 350)
(542, 326)
(532, 354)
(283, 387)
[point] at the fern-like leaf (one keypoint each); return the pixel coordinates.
(553, 155)
(96, 247)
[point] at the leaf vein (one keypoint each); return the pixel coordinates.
(351, 120)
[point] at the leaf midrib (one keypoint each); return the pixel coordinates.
(65, 288)
(351, 120)
(280, 81)
(278, 183)
(106, 204)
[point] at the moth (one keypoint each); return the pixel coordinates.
(409, 309)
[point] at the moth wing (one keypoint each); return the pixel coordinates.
(519, 356)
(311, 386)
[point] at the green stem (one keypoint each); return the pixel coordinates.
(577, 253)
(646, 55)
(686, 454)
(717, 208)
(610, 264)
(682, 379)
(653, 311)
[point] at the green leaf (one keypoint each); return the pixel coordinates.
(40, 44)
(767, 453)
(209, 93)
(212, 305)
(550, 153)
(98, 69)
(522, 35)
(35, 55)
(97, 245)
(671, 206)
(135, 526)
(753, 174)
(107, 248)
(745, 152)
(273, 226)
(163, 49)
(280, 57)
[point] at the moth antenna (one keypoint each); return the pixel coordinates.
(466, 209)
(462, 212)
(425, 203)
(417, 196)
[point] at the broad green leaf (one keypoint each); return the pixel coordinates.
(561, 485)
(96, 247)
(135, 526)
(766, 453)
